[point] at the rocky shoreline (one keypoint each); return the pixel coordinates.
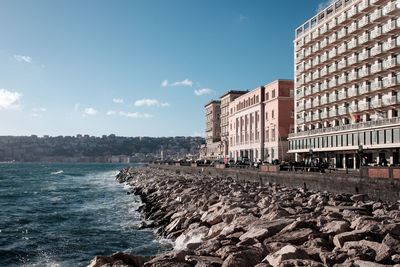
(219, 222)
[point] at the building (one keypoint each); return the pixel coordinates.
(260, 121)
(226, 99)
(213, 130)
(347, 84)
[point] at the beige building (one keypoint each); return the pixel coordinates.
(226, 99)
(213, 130)
(347, 84)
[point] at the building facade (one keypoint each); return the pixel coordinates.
(347, 84)
(260, 121)
(226, 99)
(213, 130)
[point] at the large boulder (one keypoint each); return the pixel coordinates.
(288, 252)
(117, 259)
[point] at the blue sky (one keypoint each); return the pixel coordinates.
(136, 68)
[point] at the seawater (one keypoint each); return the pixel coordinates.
(65, 214)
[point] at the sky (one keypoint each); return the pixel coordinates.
(137, 68)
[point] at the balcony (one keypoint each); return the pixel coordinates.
(364, 89)
(300, 94)
(316, 116)
(315, 47)
(324, 72)
(376, 50)
(332, 83)
(324, 100)
(324, 43)
(332, 53)
(343, 110)
(390, 26)
(332, 68)
(376, 103)
(352, 92)
(392, 100)
(364, 72)
(364, 38)
(333, 98)
(308, 105)
(323, 29)
(315, 102)
(308, 92)
(342, 33)
(352, 12)
(389, 8)
(353, 60)
(324, 115)
(299, 120)
(376, 86)
(342, 95)
(342, 48)
(300, 107)
(315, 89)
(375, 33)
(332, 24)
(333, 112)
(342, 64)
(352, 44)
(333, 38)
(324, 86)
(389, 82)
(353, 108)
(389, 45)
(362, 22)
(342, 18)
(364, 105)
(353, 27)
(364, 5)
(356, 126)
(315, 34)
(377, 14)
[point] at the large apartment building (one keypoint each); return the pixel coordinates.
(347, 97)
(260, 121)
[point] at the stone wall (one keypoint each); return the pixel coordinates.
(335, 182)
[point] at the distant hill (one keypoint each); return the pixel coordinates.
(85, 148)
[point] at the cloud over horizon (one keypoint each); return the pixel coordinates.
(21, 58)
(9, 100)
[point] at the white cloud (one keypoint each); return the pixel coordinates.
(135, 115)
(111, 112)
(9, 100)
(39, 110)
(90, 111)
(203, 91)
(150, 102)
(164, 83)
(35, 115)
(323, 5)
(23, 58)
(241, 17)
(118, 100)
(185, 82)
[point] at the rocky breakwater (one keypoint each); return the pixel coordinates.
(219, 222)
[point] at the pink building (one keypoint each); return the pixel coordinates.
(260, 121)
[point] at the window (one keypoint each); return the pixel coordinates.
(273, 114)
(256, 99)
(273, 93)
(267, 135)
(292, 113)
(267, 96)
(273, 135)
(266, 116)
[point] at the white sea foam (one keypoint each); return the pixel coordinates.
(58, 172)
(182, 241)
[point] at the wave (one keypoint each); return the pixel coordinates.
(58, 172)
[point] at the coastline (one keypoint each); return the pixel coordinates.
(216, 221)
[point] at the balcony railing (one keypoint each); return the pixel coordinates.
(362, 22)
(299, 120)
(363, 105)
(376, 86)
(333, 97)
(353, 108)
(376, 32)
(315, 102)
(300, 107)
(376, 103)
(300, 94)
(390, 100)
(343, 48)
(324, 100)
(316, 116)
(343, 110)
(390, 7)
(352, 92)
(364, 89)
(354, 126)
(376, 68)
(308, 105)
(315, 89)
(333, 112)
(376, 14)
(342, 95)
(324, 115)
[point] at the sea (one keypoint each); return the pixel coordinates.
(66, 214)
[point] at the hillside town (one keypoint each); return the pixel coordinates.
(342, 107)
(105, 149)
